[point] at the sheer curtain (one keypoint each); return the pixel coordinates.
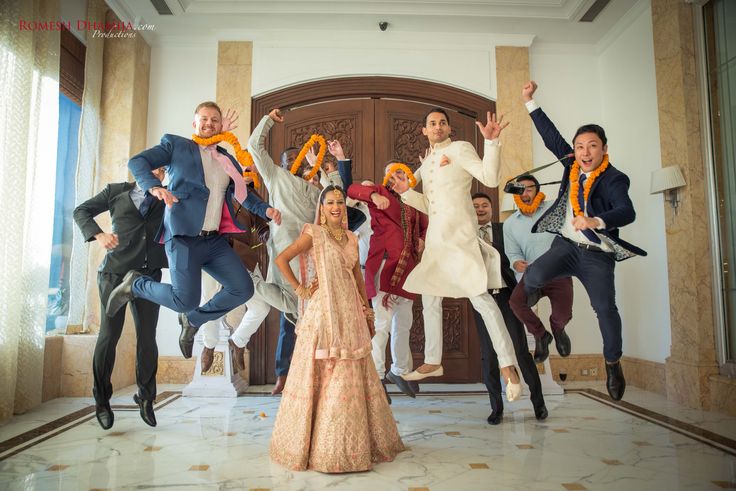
(89, 144)
(29, 107)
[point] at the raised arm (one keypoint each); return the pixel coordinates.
(488, 170)
(552, 138)
(256, 147)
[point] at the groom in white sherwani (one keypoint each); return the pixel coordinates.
(453, 262)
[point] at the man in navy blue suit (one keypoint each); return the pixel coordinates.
(202, 182)
(586, 218)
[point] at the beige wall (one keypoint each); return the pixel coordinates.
(692, 360)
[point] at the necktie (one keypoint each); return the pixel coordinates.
(589, 234)
(146, 204)
(241, 190)
(485, 235)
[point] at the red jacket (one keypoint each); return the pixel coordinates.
(387, 240)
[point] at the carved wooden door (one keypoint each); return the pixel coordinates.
(372, 131)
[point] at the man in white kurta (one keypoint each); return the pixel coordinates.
(453, 261)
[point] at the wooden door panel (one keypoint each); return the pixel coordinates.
(399, 136)
(350, 122)
(373, 130)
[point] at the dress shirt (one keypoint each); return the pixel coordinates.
(217, 181)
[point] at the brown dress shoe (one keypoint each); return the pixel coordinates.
(208, 356)
(238, 355)
(279, 387)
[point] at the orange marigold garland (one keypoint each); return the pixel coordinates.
(531, 207)
(407, 171)
(575, 183)
(303, 153)
(245, 159)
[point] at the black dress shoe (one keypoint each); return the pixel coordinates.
(402, 384)
(495, 418)
(146, 408)
(186, 338)
(385, 390)
(104, 415)
(532, 298)
(414, 386)
(562, 343)
(615, 381)
(122, 294)
(541, 350)
(541, 412)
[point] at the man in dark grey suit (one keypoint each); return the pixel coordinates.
(492, 233)
(131, 245)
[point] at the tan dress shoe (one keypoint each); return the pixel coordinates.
(208, 356)
(238, 355)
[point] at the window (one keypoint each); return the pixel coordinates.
(720, 47)
(71, 83)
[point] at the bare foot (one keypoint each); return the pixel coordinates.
(279, 387)
(426, 368)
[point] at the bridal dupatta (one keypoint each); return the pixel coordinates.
(343, 331)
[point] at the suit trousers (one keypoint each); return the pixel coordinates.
(559, 292)
(492, 318)
(285, 346)
(489, 358)
(145, 318)
(188, 257)
(395, 321)
(595, 271)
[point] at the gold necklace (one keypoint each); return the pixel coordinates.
(337, 236)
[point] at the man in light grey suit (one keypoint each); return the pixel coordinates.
(297, 199)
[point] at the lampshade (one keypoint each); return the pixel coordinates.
(665, 179)
(508, 203)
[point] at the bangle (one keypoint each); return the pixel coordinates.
(303, 292)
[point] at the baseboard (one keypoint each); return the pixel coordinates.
(645, 374)
(723, 394)
(579, 367)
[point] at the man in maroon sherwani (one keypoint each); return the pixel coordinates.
(395, 248)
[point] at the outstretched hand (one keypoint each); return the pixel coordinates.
(164, 195)
(335, 149)
(527, 91)
(492, 128)
(274, 215)
(401, 183)
(311, 156)
(276, 115)
(230, 120)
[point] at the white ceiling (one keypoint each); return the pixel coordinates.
(548, 21)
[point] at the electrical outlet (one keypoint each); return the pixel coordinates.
(584, 372)
(594, 371)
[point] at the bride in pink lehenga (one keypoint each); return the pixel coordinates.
(333, 416)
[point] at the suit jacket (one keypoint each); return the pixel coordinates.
(387, 241)
(186, 182)
(137, 246)
(356, 218)
(506, 272)
(608, 199)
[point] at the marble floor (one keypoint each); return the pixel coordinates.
(588, 442)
